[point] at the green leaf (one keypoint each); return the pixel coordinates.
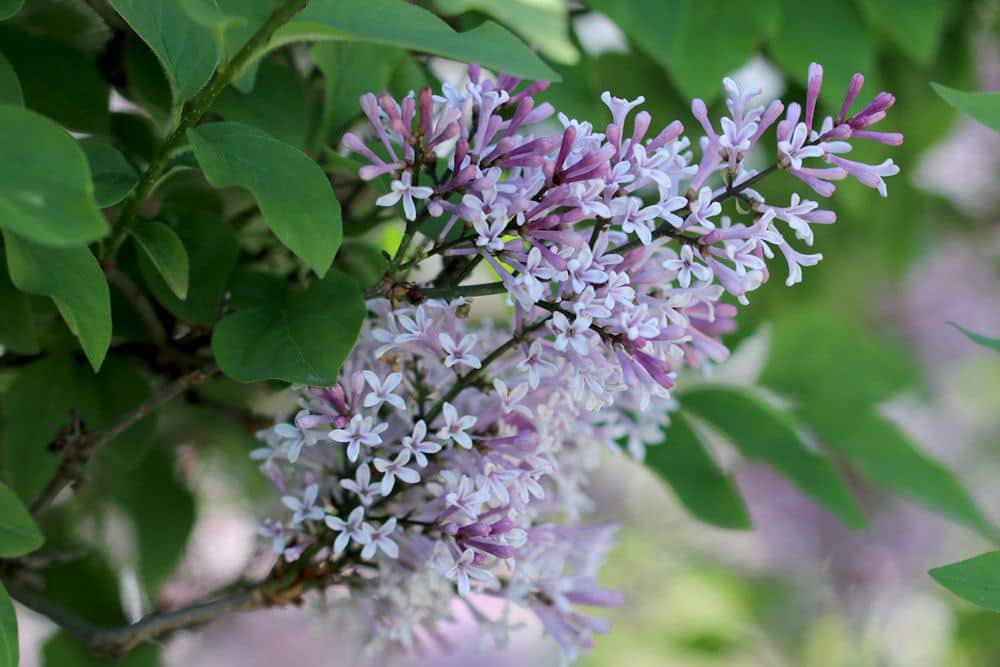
(401, 24)
(830, 33)
(276, 105)
(145, 81)
(824, 358)
(915, 26)
(887, 457)
(17, 327)
(211, 248)
(10, 87)
(74, 281)
(293, 193)
(696, 41)
(112, 174)
(9, 7)
(135, 135)
(231, 21)
(9, 650)
(44, 204)
(18, 533)
(984, 107)
(165, 251)
(303, 338)
(185, 49)
(763, 433)
(683, 463)
(58, 81)
(976, 579)
(837, 374)
(542, 23)
(88, 586)
(162, 510)
(38, 404)
(985, 341)
(349, 70)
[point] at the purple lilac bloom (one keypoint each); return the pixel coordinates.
(452, 457)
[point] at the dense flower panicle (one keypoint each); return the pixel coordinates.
(451, 460)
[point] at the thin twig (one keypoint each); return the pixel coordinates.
(154, 327)
(116, 642)
(80, 447)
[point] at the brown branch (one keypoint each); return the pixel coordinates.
(79, 446)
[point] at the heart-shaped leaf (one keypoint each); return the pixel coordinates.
(304, 337)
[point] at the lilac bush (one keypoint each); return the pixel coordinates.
(451, 459)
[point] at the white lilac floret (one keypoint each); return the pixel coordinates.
(452, 457)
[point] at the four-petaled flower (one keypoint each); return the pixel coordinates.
(454, 426)
(378, 540)
(465, 569)
(361, 485)
(685, 266)
(306, 508)
(419, 447)
(460, 352)
(359, 432)
(382, 391)
(354, 528)
(395, 468)
(405, 190)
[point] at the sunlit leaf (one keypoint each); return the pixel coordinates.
(44, 204)
(401, 24)
(542, 23)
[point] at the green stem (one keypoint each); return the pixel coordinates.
(480, 289)
(472, 376)
(192, 112)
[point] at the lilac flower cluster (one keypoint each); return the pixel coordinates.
(452, 457)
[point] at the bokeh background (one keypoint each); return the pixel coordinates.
(800, 589)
